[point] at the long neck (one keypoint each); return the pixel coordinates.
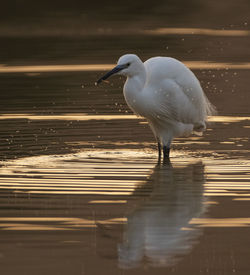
(133, 90)
(136, 81)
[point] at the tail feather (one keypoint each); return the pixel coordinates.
(210, 108)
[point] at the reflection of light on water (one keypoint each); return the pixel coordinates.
(228, 179)
(198, 31)
(225, 222)
(62, 223)
(165, 204)
(187, 142)
(228, 118)
(109, 201)
(33, 71)
(86, 117)
(77, 175)
(206, 65)
(80, 117)
(55, 68)
(74, 175)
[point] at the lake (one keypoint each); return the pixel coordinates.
(80, 188)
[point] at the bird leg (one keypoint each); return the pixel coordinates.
(159, 152)
(166, 151)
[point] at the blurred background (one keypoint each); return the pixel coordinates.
(90, 31)
(76, 17)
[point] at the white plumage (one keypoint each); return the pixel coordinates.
(165, 92)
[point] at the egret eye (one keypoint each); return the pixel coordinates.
(128, 64)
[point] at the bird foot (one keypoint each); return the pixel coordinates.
(166, 153)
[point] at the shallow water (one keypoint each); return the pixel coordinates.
(80, 188)
(66, 213)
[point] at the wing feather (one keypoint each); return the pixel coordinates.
(179, 94)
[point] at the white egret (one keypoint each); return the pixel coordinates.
(165, 92)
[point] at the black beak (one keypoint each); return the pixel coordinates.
(116, 69)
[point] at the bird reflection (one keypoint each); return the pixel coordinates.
(158, 231)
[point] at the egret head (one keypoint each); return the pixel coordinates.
(127, 65)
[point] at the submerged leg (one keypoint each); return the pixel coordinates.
(159, 152)
(166, 151)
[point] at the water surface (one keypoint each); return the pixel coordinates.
(80, 188)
